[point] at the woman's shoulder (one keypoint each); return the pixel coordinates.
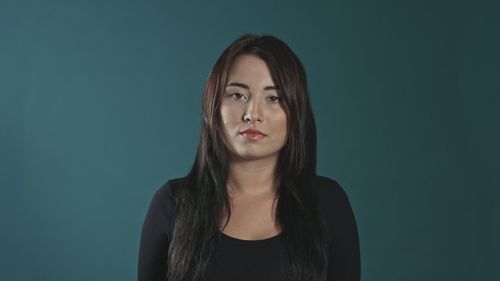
(343, 239)
(332, 198)
(161, 212)
(163, 201)
(326, 186)
(169, 188)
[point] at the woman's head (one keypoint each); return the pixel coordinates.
(275, 103)
(251, 101)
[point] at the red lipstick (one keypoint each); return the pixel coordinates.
(253, 134)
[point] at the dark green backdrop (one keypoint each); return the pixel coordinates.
(100, 105)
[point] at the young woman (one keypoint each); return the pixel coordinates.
(252, 206)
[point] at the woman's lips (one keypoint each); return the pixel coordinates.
(252, 134)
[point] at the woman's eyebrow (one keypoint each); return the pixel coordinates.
(245, 86)
(271, 88)
(238, 84)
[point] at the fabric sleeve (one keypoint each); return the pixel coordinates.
(155, 236)
(344, 256)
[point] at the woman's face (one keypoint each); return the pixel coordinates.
(251, 101)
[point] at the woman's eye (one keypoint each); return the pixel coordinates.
(274, 99)
(237, 96)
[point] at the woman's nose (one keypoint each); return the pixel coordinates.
(252, 112)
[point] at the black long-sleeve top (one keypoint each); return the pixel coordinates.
(241, 260)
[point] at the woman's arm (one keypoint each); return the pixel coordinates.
(345, 262)
(155, 236)
(343, 250)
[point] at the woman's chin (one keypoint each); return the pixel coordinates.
(253, 156)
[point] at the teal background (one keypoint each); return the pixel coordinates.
(100, 105)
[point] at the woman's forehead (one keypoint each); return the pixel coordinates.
(249, 70)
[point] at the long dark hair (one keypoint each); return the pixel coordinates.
(202, 197)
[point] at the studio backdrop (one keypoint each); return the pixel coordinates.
(100, 104)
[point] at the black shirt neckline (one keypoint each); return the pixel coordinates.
(224, 235)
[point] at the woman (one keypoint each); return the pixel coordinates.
(252, 206)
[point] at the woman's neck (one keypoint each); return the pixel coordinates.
(252, 178)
